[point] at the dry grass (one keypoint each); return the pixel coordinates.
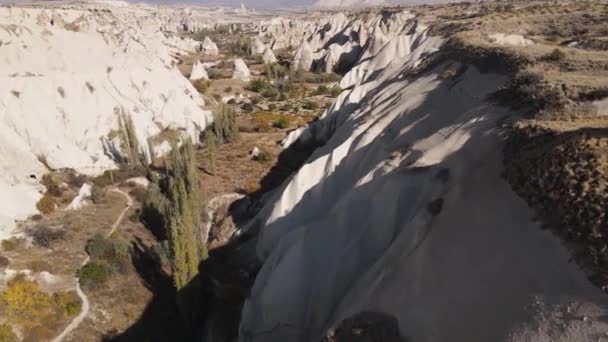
(235, 171)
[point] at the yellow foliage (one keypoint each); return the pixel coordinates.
(67, 302)
(265, 121)
(25, 301)
(7, 334)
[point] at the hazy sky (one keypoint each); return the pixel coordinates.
(270, 3)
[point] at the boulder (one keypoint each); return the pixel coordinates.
(257, 47)
(304, 57)
(198, 72)
(268, 57)
(241, 71)
(209, 47)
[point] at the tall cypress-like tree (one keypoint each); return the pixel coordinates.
(183, 215)
(129, 139)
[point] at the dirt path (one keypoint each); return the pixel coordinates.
(86, 306)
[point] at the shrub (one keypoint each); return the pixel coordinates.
(555, 56)
(211, 140)
(264, 157)
(258, 84)
(247, 106)
(282, 97)
(97, 194)
(269, 93)
(240, 46)
(4, 262)
(46, 204)
(93, 275)
(7, 334)
(10, 244)
(275, 71)
(45, 237)
(67, 302)
(231, 102)
(25, 301)
(202, 86)
(227, 89)
(75, 180)
(272, 107)
(282, 122)
(310, 105)
(96, 247)
(52, 186)
(335, 91)
(224, 124)
(321, 90)
(113, 252)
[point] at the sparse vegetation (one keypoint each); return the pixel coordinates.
(52, 185)
(556, 55)
(97, 194)
(4, 261)
(46, 204)
(68, 303)
(275, 71)
(46, 237)
(258, 85)
(310, 105)
(282, 122)
(115, 253)
(224, 125)
(11, 244)
(211, 149)
(7, 334)
(240, 46)
(265, 121)
(202, 86)
(264, 157)
(93, 274)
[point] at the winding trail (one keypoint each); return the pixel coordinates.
(86, 306)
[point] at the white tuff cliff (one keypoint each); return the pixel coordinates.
(65, 77)
(403, 211)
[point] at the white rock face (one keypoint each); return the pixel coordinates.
(62, 86)
(198, 72)
(257, 47)
(209, 47)
(403, 211)
(510, 39)
(303, 57)
(268, 57)
(80, 200)
(241, 72)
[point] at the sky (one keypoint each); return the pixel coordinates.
(272, 3)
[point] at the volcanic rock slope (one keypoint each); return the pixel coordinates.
(66, 76)
(403, 211)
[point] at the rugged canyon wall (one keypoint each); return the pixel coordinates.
(66, 77)
(403, 213)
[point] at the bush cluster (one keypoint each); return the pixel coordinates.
(93, 275)
(46, 204)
